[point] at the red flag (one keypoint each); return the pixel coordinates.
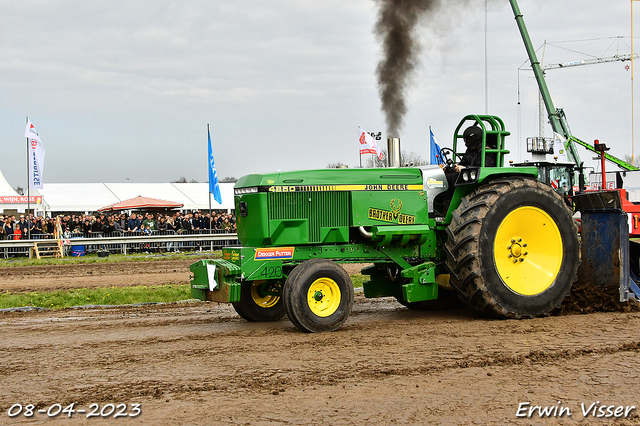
(368, 144)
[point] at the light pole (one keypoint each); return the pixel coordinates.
(633, 144)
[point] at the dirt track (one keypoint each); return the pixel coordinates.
(201, 364)
(18, 279)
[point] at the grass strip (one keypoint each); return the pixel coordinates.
(358, 279)
(60, 299)
(113, 258)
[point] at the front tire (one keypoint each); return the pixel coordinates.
(257, 303)
(318, 296)
(512, 249)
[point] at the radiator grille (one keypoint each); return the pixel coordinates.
(322, 209)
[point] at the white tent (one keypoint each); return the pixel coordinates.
(5, 189)
(89, 197)
(11, 202)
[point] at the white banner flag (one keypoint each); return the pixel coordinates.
(368, 143)
(36, 156)
(560, 143)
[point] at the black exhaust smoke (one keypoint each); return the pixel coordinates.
(395, 27)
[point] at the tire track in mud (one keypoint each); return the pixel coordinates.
(194, 351)
(279, 380)
(178, 360)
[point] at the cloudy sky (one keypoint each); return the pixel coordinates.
(123, 90)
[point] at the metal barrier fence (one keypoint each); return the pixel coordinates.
(78, 243)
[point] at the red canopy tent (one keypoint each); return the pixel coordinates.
(142, 203)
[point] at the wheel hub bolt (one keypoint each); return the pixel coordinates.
(516, 250)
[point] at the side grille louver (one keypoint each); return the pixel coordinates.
(322, 209)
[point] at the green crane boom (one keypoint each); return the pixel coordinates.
(557, 117)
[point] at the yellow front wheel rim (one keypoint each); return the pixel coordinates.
(266, 301)
(528, 250)
(324, 297)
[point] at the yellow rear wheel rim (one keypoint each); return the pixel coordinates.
(528, 251)
(266, 301)
(324, 297)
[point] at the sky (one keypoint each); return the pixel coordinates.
(123, 91)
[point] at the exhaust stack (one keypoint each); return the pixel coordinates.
(393, 150)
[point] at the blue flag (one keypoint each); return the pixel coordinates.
(435, 150)
(214, 187)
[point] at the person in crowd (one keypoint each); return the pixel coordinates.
(162, 224)
(171, 224)
(195, 222)
(171, 229)
(76, 225)
(185, 224)
(177, 221)
(96, 225)
(8, 227)
(67, 221)
(108, 226)
(47, 226)
(144, 230)
(86, 227)
(149, 223)
(36, 227)
(23, 226)
(117, 224)
(110, 223)
(122, 220)
(133, 225)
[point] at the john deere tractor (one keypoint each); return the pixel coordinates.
(495, 239)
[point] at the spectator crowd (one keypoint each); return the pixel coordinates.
(116, 224)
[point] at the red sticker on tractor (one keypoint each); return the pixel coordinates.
(274, 253)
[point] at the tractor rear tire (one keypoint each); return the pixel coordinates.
(255, 306)
(512, 249)
(318, 296)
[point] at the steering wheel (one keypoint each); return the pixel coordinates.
(449, 158)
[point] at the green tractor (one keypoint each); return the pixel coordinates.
(495, 239)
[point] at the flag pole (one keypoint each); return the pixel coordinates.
(360, 153)
(210, 221)
(28, 193)
(210, 215)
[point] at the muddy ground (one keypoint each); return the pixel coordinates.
(20, 279)
(197, 363)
